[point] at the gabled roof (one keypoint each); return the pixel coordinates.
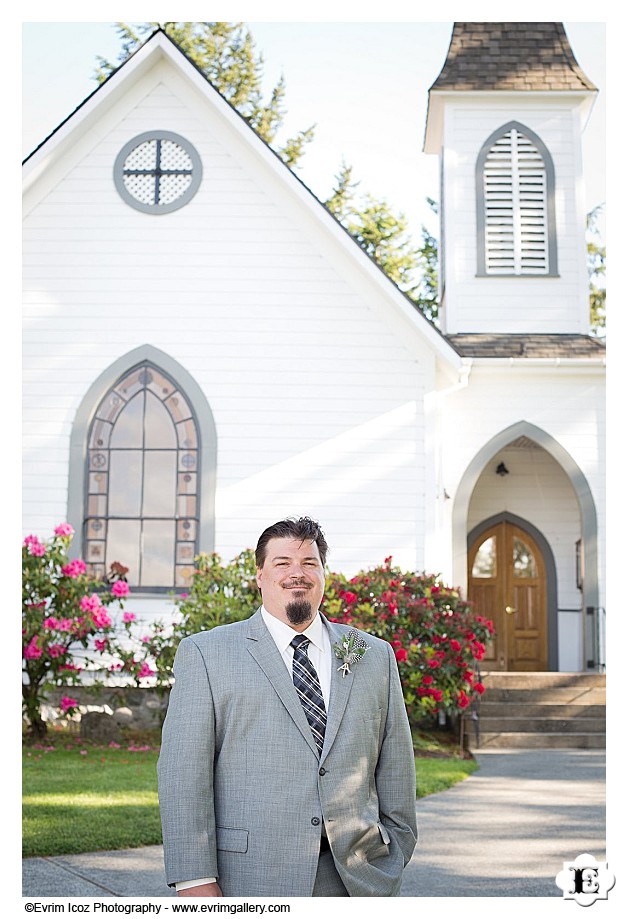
(511, 56)
(159, 43)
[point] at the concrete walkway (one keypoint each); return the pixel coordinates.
(503, 832)
(507, 829)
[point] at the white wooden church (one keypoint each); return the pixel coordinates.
(206, 349)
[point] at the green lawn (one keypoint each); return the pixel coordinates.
(84, 797)
(103, 798)
(437, 774)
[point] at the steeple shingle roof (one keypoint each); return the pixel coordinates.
(511, 56)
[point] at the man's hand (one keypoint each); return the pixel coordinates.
(202, 890)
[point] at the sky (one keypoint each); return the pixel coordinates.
(364, 84)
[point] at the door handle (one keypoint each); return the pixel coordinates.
(510, 610)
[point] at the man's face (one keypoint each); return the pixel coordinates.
(292, 581)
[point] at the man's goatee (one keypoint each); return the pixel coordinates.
(299, 611)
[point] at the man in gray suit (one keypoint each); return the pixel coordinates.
(286, 766)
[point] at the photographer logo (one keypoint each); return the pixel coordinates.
(585, 880)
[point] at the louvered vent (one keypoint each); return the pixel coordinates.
(515, 207)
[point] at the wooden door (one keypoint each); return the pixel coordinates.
(507, 583)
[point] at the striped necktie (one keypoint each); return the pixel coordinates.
(306, 682)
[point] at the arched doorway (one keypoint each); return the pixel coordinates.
(509, 582)
(577, 646)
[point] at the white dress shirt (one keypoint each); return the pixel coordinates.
(319, 649)
(319, 652)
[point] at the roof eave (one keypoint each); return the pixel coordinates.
(438, 98)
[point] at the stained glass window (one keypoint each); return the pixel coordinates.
(142, 482)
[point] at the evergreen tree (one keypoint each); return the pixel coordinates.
(225, 53)
(596, 263)
(384, 237)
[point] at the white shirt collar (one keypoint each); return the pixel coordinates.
(283, 633)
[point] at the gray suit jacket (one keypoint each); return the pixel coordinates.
(242, 792)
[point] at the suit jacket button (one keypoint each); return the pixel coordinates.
(322, 771)
(315, 821)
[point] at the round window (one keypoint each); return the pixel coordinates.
(157, 172)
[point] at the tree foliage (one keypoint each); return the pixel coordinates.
(225, 53)
(384, 236)
(220, 593)
(437, 637)
(596, 263)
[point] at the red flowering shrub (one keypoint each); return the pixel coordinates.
(436, 636)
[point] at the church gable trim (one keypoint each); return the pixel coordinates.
(54, 153)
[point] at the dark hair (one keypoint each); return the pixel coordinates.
(303, 528)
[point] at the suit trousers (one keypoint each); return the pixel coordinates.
(327, 882)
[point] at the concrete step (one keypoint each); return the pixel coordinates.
(540, 710)
(514, 740)
(551, 695)
(491, 709)
(542, 725)
(541, 680)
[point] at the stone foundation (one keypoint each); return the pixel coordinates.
(129, 706)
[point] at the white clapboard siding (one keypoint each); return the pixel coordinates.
(516, 295)
(315, 397)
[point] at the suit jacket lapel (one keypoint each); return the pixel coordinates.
(339, 690)
(265, 652)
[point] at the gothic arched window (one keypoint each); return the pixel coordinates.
(142, 500)
(515, 205)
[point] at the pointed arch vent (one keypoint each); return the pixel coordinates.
(516, 231)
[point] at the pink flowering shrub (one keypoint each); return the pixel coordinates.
(64, 610)
(437, 637)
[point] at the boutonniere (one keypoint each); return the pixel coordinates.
(350, 651)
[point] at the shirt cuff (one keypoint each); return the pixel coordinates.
(183, 885)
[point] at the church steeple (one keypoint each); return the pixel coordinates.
(505, 115)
